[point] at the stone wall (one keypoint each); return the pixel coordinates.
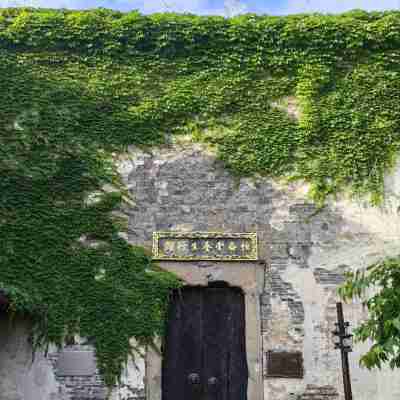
(319, 393)
(182, 187)
(41, 376)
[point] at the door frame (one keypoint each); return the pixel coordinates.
(248, 276)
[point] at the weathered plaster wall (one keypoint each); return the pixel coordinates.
(183, 187)
(20, 377)
(23, 377)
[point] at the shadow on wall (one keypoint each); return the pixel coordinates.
(22, 377)
(65, 374)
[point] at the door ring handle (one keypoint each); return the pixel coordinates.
(212, 381)
(194, 378)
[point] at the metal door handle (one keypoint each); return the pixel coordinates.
(194, 378)
(212, 381)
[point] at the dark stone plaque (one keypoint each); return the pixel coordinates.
(204, 246)
(283, 364)
(76, 363)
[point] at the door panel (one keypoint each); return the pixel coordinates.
(217, 319)
(238, 372)
(182, 346)
(205, 336)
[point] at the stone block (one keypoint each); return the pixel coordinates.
(76, 363)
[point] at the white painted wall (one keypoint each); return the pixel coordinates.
(20, 377)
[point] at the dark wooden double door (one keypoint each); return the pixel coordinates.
(204, 354)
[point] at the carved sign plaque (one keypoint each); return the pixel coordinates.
(282, 364)
(204, 246)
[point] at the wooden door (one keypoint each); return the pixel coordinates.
(204, 354)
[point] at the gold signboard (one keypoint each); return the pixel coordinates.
(204, 246)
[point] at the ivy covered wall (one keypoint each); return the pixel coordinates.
(306, 97)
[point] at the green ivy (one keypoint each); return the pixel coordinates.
(378, 288)
(62, 258)
(307, 97)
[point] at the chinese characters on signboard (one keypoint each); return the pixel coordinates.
(204, 246)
